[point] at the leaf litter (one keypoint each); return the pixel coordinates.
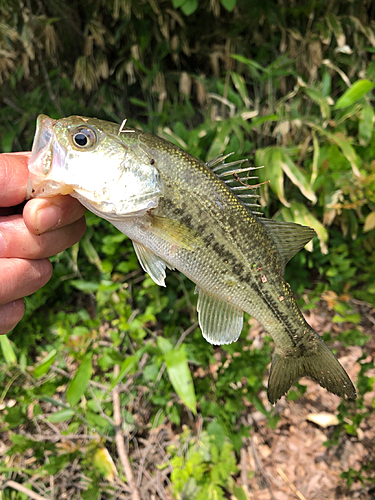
(285, 463)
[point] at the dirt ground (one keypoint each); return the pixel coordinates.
(292, 461)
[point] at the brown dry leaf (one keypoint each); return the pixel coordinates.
(331, 298)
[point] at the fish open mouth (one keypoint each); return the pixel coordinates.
(45, 151)
(109, 183)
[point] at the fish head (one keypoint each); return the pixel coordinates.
(98, 162)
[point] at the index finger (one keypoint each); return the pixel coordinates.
(13, 178)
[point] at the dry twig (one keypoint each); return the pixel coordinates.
(121, 449)
(290, 484)
(260, 468)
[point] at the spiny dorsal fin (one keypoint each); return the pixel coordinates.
(235, 178)
(289, 237)
(220, 322)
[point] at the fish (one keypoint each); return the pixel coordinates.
(199, 218)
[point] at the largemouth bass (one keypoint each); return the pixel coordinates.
(198, 218)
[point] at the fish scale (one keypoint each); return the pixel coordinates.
(184, 214)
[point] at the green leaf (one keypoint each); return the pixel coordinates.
(343, 144)
(297, 176)
(229, 4)
(85, 286)
(103, 463)
(239, 493)
(7, 349)
(61, 416)
(366, 125)
(248, 62)
(369, 222)
(299, 213)
(189, 7)
(7, 141)
(127, 365)
(44, 365)
(240, 85)
(164, 345)
(321, 100)
(220, 141)
(271, 158)
(91, 253)
(180, 376)
(79, 383)
(355, 92)
(178, 3)
(336, 27)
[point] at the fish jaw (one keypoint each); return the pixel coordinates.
(109, 178)
(45, 154)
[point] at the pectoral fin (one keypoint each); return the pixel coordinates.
(151, 263)
(174, 232)
(220, 322)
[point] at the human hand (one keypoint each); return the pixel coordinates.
(46, 227)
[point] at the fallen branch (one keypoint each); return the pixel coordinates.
(119, 438)
(23, 489)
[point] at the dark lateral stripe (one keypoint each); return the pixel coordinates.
(274, 307)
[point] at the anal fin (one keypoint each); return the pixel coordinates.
(220, 322)
(151, 263)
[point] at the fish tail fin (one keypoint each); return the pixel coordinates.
(319, 363)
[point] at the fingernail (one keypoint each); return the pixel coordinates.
(47, 218)
(3, 244)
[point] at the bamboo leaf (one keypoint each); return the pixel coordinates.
(271, 158)
(239, 83)
(336, 27)
(298, 212)
(297, 176)
(355, 92)
(369, 222)
(346, 148)
(91, 253)
(316, 154)
(366, 125)
(220, 140)
(79, 382)
(321, 100)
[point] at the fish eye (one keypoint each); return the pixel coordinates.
(84, 138)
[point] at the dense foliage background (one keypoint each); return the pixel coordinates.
(287, 84)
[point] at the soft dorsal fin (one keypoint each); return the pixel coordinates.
(236, 179)
(289, 237)
(220, 322)
(151, 263)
